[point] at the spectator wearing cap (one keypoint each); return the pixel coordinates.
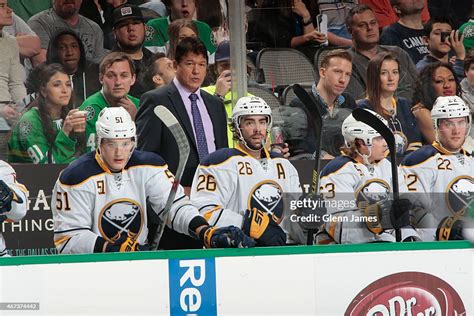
(65, 15)
(129, 31)
(467, 29)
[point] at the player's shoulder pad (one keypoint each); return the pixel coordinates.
(335, 165)
(419, 156)
(140, 158)
(80, 170)
(220, 156)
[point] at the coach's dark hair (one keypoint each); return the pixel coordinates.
(190, 45)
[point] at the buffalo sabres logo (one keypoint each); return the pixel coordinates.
(460, 194)
(267, 196)
(372, 192)
(120, 216)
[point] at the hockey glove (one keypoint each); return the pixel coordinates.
(388, 215)
(400, 215)
(450, 228)
(126, 243)
(260, 226)
(6, 197)
(225, 237)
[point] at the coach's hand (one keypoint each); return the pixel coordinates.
(260, 226)
(225, 237)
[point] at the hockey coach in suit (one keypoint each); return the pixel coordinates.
(201, 115)
(191, 66)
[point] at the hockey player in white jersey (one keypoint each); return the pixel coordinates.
(440, 177)
(101, 198)
(356, 189)
(244, 186)
(13, 200)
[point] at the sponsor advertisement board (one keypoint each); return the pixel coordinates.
(375, 280)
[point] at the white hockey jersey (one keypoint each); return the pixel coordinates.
(18, 210)
(229, 181)
(347, 186)
(91, 201)
(439, 184)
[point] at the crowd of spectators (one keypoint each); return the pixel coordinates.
(394, 57)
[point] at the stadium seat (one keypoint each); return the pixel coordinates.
(284, 66)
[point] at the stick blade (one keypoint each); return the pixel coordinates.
(173, 125)
(312, 106)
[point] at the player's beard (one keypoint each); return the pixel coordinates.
(256, 147)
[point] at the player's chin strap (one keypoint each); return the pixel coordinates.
(243, 142)
(438, 142)
(444, 148)
(365, 158)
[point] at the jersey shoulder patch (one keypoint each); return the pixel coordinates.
(419, 156)
(220, 155)
(80, 170)
(139, 158)
(335, 165)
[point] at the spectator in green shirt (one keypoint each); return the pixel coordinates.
(49, 130)
(117, 75)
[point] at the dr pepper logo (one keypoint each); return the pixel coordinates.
(407, 293)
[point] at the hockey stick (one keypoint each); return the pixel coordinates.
(315, 110)
(183, 147)
(371, 120)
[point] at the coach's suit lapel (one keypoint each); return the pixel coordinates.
(180, 109)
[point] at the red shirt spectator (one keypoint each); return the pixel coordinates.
(385, 14)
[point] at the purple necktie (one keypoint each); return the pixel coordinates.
(198, 128)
